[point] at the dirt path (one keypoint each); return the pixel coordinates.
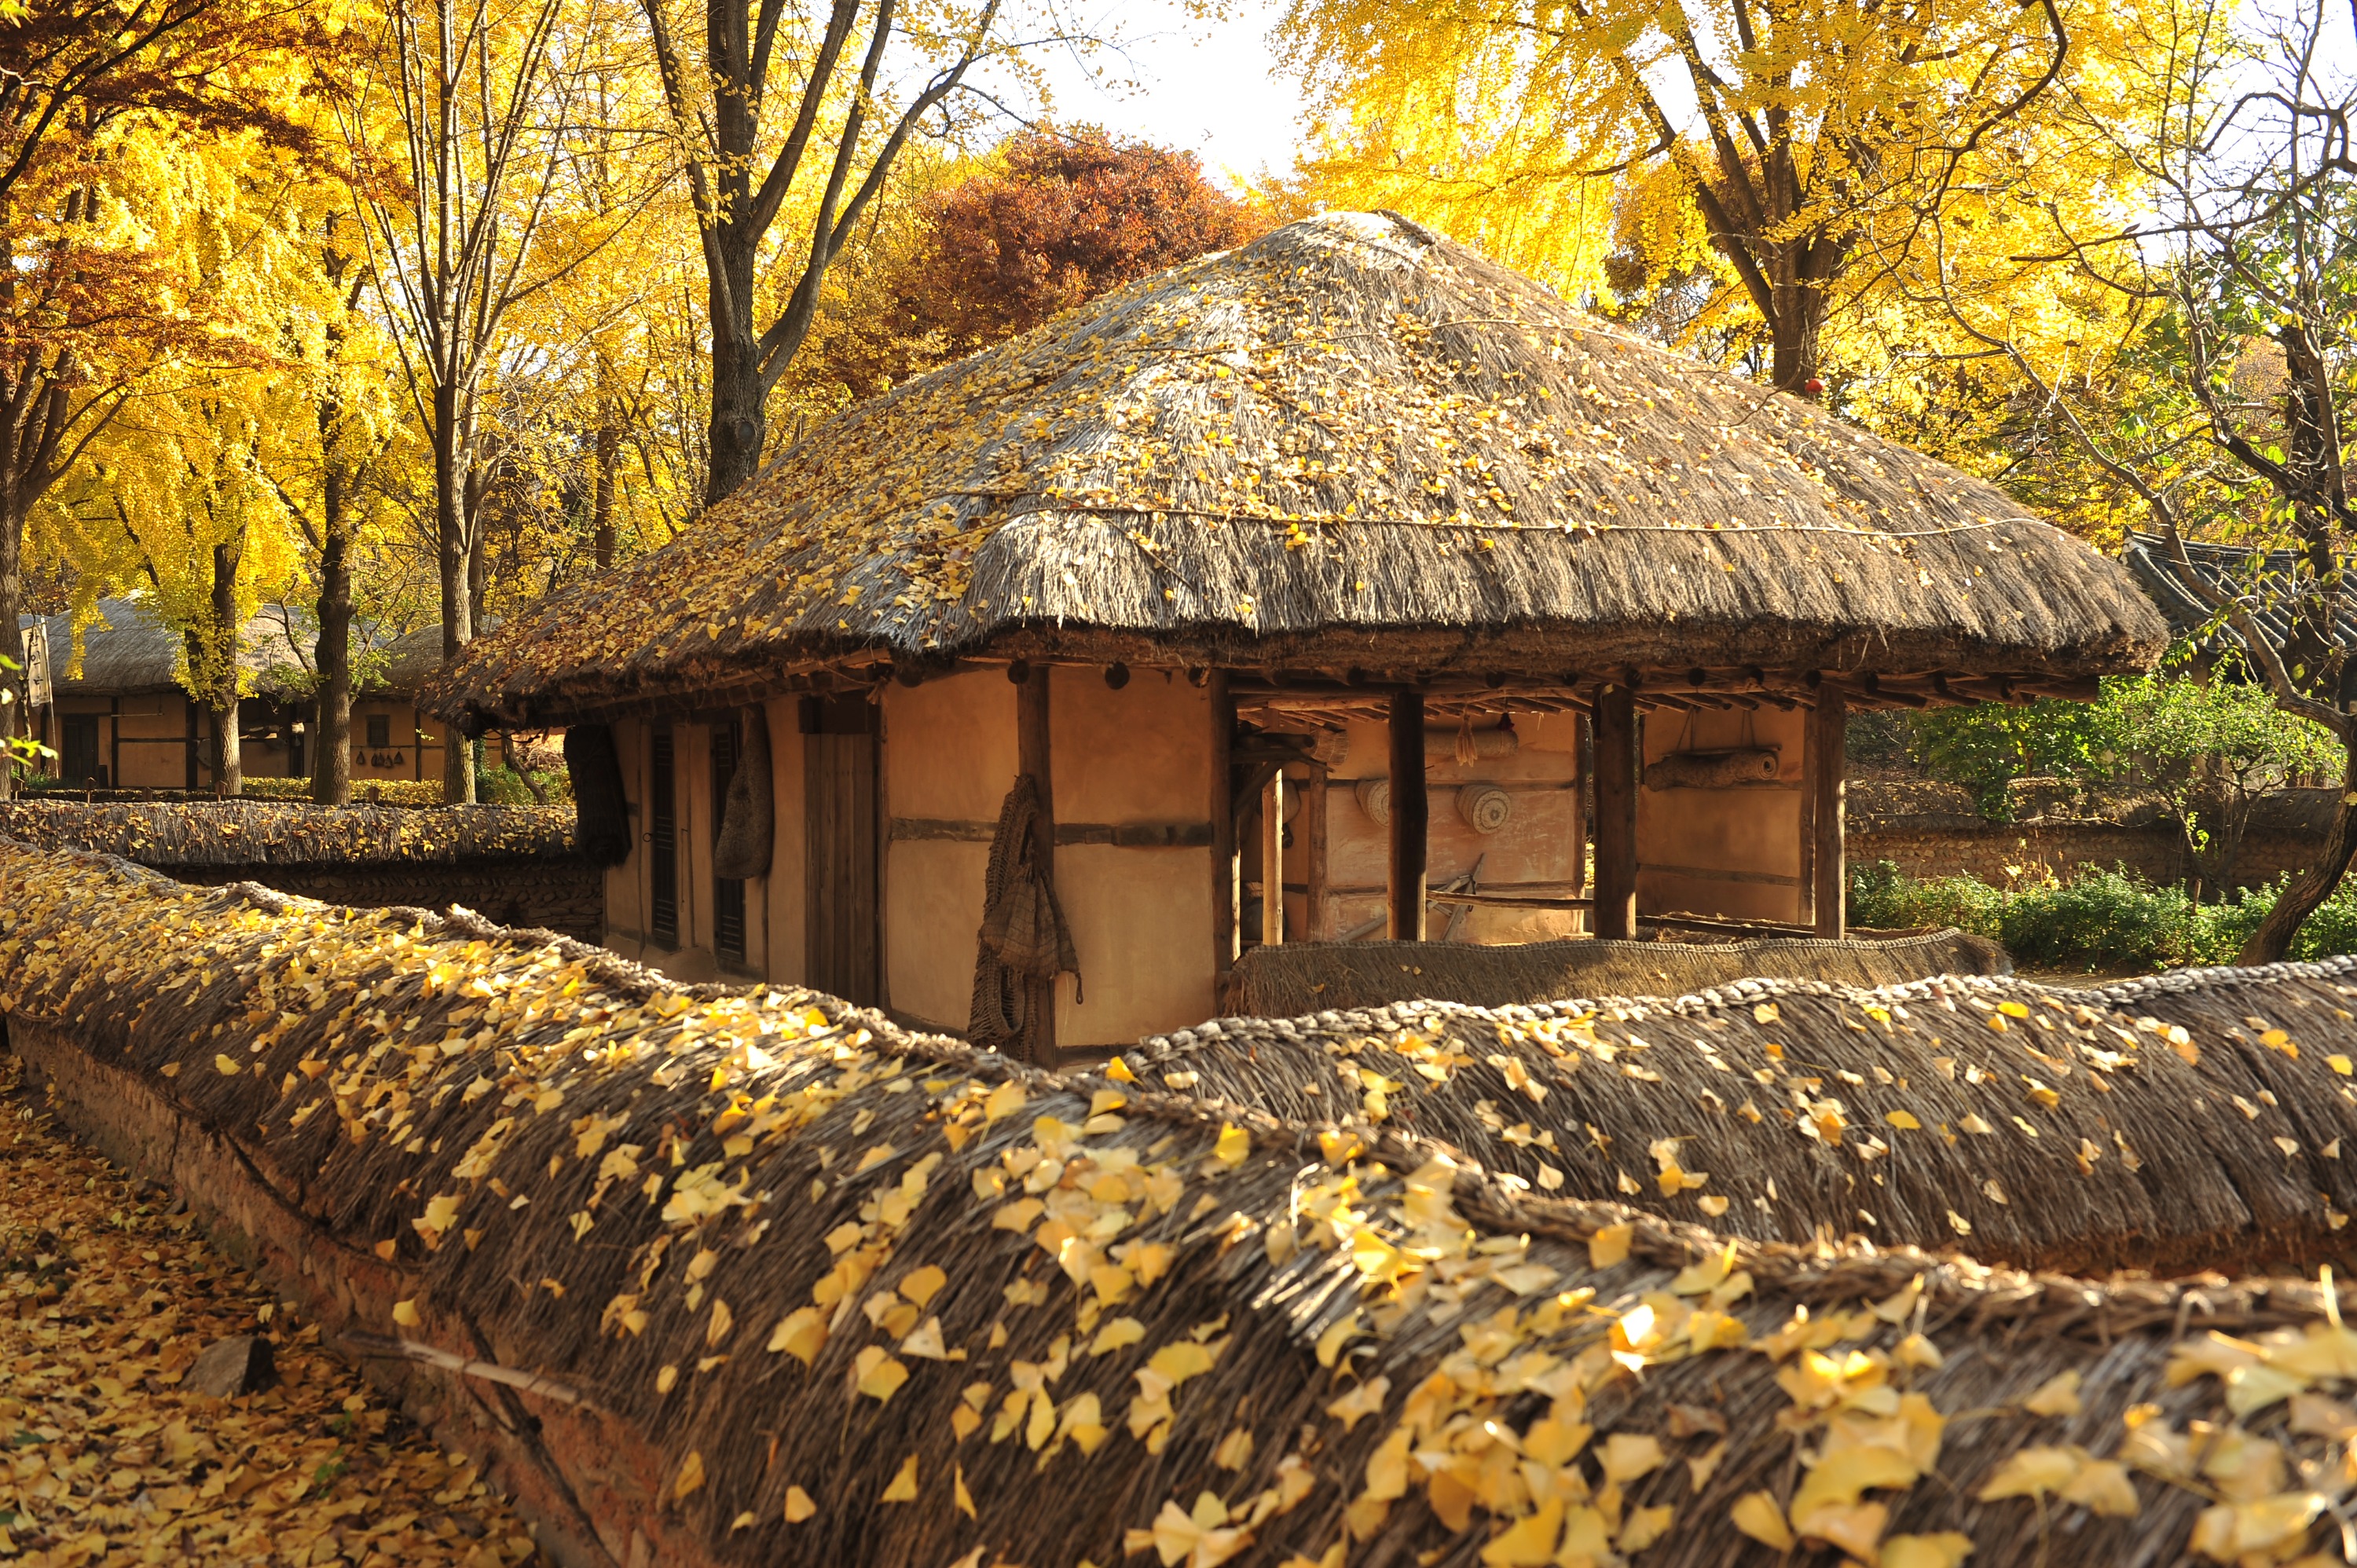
(106, 1299)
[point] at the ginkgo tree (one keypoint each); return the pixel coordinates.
(1801, 145)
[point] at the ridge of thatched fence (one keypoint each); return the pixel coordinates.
(872, 1297)
(1299, 978)
(163, 834)
(2185, 1123)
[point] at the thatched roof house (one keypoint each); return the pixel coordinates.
(125, 720)
(1348, 480)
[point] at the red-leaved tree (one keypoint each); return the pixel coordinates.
(1069, 215)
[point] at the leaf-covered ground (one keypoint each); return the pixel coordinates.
(106, 1298)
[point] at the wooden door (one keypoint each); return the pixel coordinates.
(839, 796)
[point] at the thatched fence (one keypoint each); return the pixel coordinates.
(518, 865)
(220, 833)
(1295, 978)
(2176, 1125)
(752, 1276)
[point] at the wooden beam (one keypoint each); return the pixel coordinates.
(1035, 758)
(1313, 855)
(1616, 813)
(1828, 724)
(1411, 817)
(1272, 861)
(1225, 948)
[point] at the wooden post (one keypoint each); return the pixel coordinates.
(1226, 911)
(1616, 813)
(1313, 853)
(1828, 871)
(1034, 757)
(1411, 817)
(1272, 861)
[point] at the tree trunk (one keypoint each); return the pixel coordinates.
(14, 709)
(737, 418)
(2272, 940)
(458, 604)
(331, 746)
(601, 500)
(228, 756)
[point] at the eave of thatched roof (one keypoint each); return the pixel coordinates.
(1350, 443)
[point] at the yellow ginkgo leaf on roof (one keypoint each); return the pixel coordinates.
(878, 1375)
(1234, 1145)
(1610, 1245)
(2034, 1472)
(799, 1506)
(903, 1486)
(1946, 1550)
(2058, 1395)
(921, 1285)
(1529, 1542)
(1758, 1516)
(691, 1474)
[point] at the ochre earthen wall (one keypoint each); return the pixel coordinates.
(1734, 852)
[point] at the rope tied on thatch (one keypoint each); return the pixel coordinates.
(886, 1299)
(1024, 943)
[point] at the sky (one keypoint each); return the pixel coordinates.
(1211, 87)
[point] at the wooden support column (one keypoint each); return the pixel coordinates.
(1411, 817)
(1828, 778)
(1227, 908)
(1272, 861)
(1616, 813)
(1035, 758)
(1313, 855)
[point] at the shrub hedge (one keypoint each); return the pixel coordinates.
(2098, 918)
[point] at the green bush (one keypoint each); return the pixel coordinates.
(2098, 918)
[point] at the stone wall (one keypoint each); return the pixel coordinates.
(1936, 830)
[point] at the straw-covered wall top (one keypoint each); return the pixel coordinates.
(879, 1298)
(2170, 1125)
(1351, 443)
(274, 832)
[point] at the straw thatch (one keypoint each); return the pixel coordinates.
(1351, 443)
(126, 651)
(2040, 1126)
(163, 834)
(1312, 977)
(1201, 1340)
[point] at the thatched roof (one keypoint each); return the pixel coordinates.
(1209, 1336)
(165, 834)
(127, 652)
(1316, 977)
(1349, 443)
(2032, 1124)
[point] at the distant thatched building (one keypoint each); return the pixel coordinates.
(124, 721)
(1310, 532)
